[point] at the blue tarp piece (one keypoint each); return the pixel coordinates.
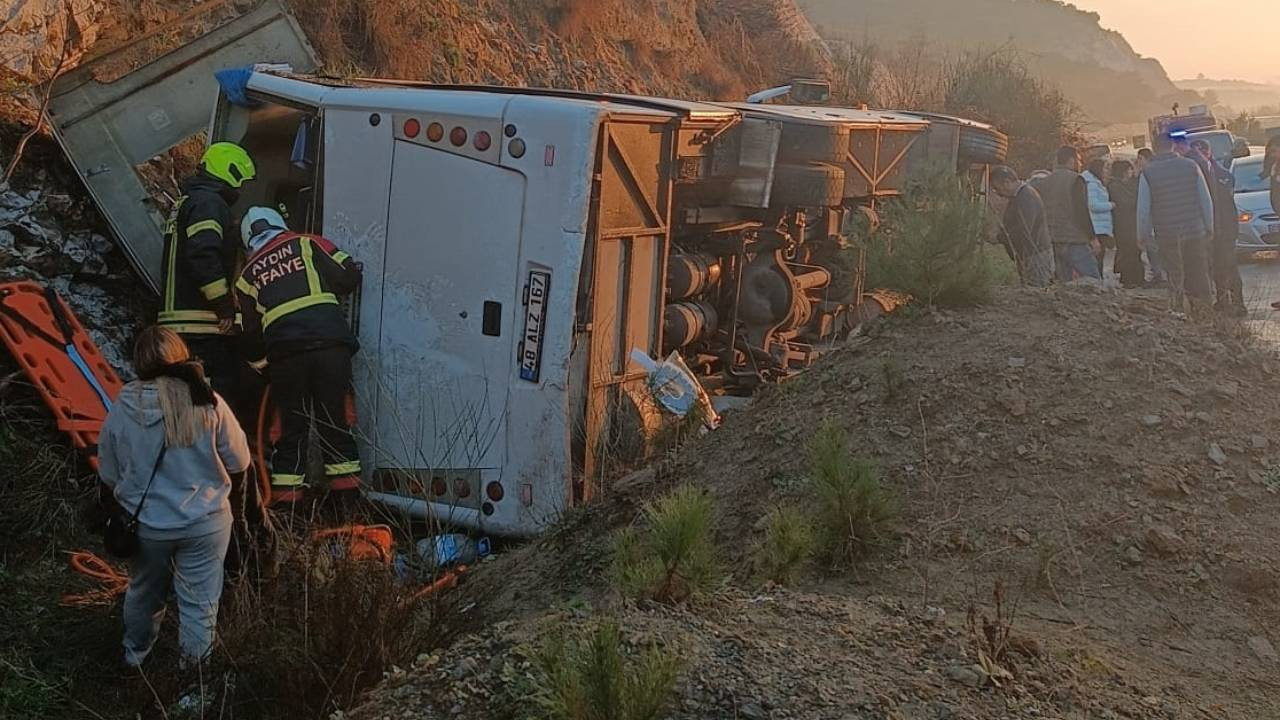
(235, 84)
(299, 155)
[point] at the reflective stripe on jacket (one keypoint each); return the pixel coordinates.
(200, 249)
(289, 289)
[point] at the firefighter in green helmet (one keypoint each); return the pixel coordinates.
(201, 245)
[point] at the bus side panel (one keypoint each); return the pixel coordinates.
(357, 186)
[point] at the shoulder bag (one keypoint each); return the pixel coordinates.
(120, 535)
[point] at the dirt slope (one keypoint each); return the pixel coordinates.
(1057, 443)
(719, 49)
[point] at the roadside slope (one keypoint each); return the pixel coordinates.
(1056, 444)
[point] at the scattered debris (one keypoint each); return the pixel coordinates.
(1263, 649)
(1216, 455)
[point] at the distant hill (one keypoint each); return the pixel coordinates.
(1238, 95)
(1095, 67)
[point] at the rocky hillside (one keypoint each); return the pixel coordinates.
(688, 48)
(1096, 67)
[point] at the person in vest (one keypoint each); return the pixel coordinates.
(1175, 212)
(1025, 232)
(1227, 284)
(200, 251)
(288, 294)
(1066, 205)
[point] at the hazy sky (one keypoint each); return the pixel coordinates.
(1231, 39)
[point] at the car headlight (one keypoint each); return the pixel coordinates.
(1246, 217)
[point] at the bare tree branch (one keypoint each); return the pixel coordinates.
(69, 30)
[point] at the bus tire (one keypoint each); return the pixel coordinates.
(983, 146)
(805, 143)
(807, 185)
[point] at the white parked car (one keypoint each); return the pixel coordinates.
(1259, 222)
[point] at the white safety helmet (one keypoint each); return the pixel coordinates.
(260, 224)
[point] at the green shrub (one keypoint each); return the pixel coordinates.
(854, 510)
(999, 88)
(593, 677)
(788, 546)
(930, 243)
(895, 380)
(672, 558)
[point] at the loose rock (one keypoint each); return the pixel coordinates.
(1216, 455)
(1263, 648)
(1163, 541)
(970, 675)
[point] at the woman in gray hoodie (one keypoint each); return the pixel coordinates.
(184, 525)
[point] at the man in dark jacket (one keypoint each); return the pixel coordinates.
(288, 295)
(1228, 287)
(1124, 193)
(1025, 232)
(200, 250)
(1175, 211)
(1066, 204)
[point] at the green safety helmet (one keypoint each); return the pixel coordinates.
(229, 163)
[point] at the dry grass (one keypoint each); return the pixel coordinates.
(314, 638)
(570, 18)
(392, 38)
(41, 484)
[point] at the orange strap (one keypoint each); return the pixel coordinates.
(364, 542)
(444, 582)
(112, 582)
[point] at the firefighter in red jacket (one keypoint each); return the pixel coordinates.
(288, 296)
(200, 253)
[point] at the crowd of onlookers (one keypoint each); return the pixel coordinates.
(1169, 215)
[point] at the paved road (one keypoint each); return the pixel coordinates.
(1261, 277)
(1261, 288)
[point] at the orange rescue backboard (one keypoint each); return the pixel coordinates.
(40, 340)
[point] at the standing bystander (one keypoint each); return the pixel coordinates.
(1228, 287)
(1066, 204)
(1175, 212)
(1100, 207)
(1124, 193)
(1025, 231)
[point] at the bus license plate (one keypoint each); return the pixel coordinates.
(534, 313)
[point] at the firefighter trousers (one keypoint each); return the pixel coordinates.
(313, 386)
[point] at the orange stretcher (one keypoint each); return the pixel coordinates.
(56, 354)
